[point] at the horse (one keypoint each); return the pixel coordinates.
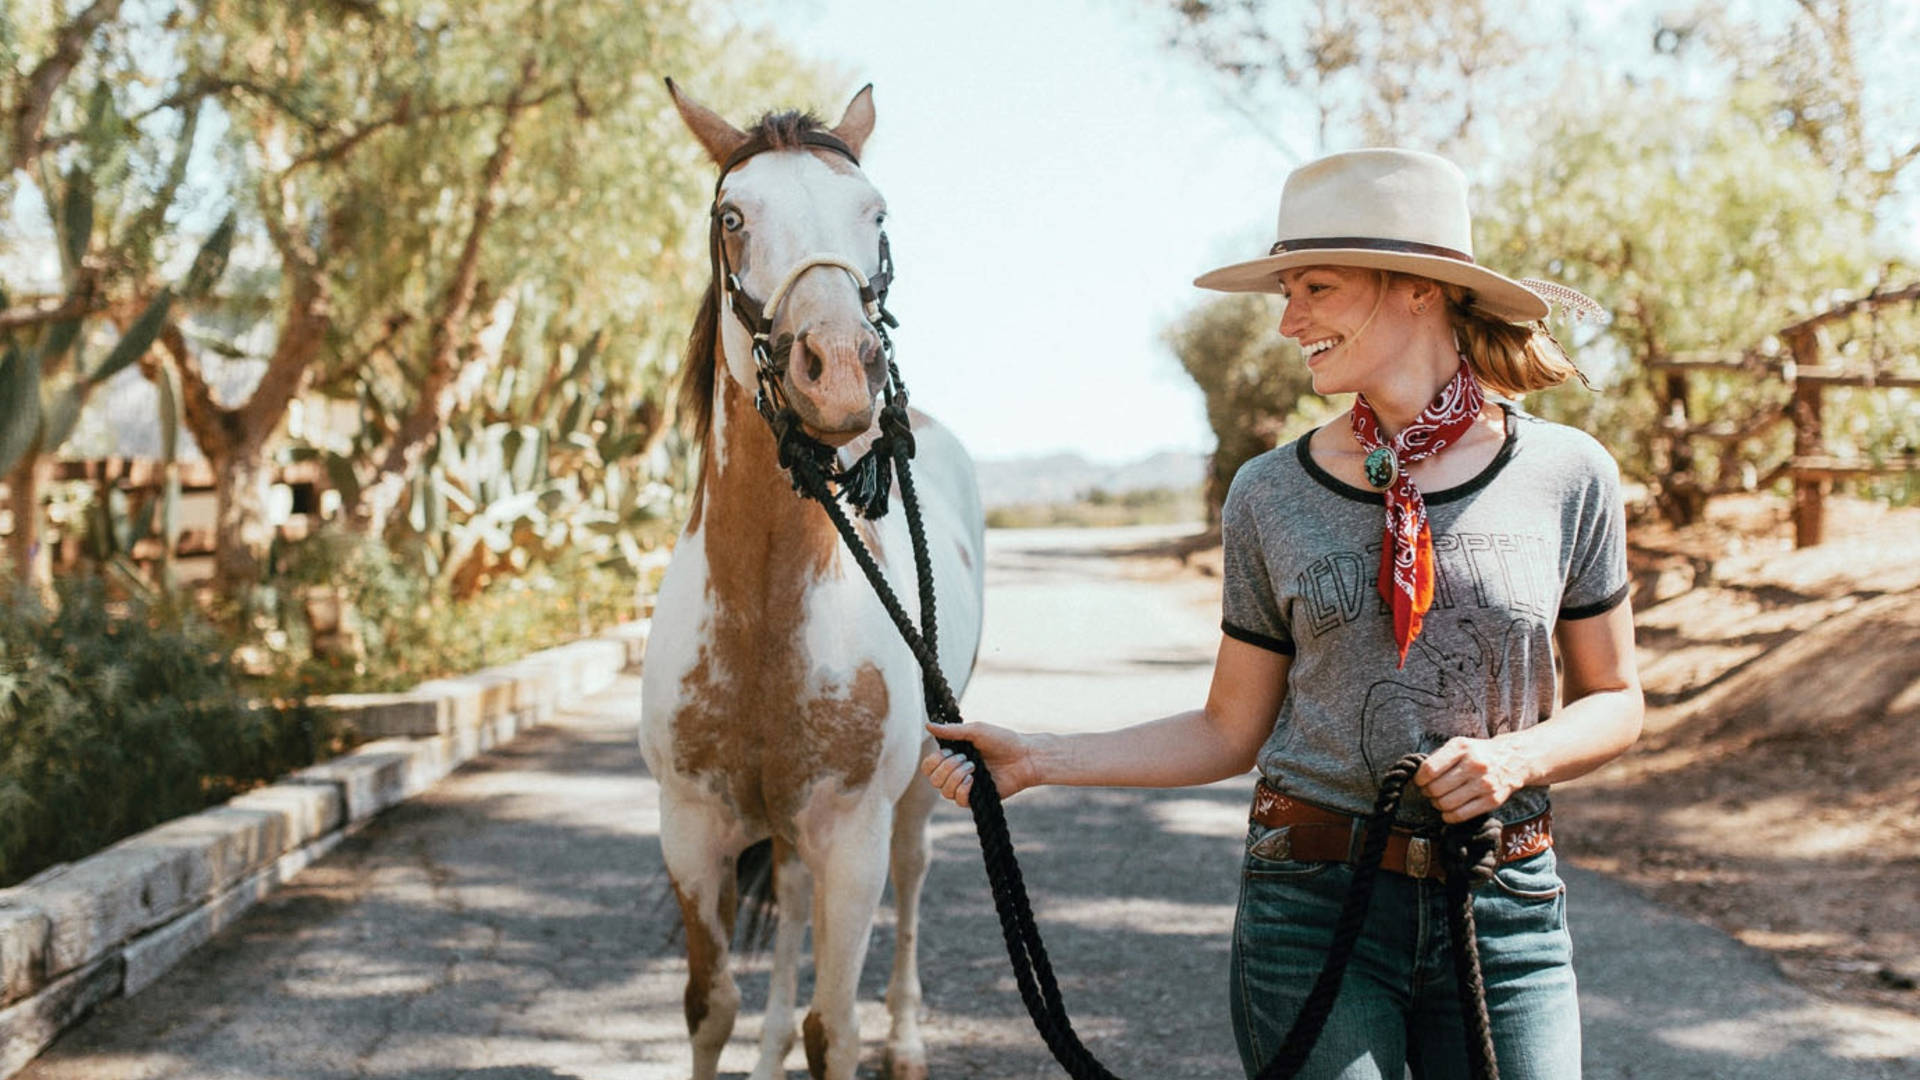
(778, 701)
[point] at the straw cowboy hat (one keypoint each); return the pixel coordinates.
(1386, 209)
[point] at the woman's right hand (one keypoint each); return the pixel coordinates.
(1007, 753)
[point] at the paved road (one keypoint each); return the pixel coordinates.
(510, 924)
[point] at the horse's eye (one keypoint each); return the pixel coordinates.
(731, 220)
(880, 218)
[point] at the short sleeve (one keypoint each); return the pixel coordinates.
(1250, 611)
(1597, 572)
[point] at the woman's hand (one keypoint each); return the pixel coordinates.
(1469, 777)
(1008, 754)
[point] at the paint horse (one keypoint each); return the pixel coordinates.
(779, 701)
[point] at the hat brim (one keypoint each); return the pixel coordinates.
(1496, 295)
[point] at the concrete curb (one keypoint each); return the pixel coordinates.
(112, 923)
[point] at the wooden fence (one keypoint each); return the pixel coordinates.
(1807, 373)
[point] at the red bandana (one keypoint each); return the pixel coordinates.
(1406, 556)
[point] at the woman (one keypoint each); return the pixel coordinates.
(1402, 579)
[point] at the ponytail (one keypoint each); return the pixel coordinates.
(1507, 358)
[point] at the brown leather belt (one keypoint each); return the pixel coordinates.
(1311, 833)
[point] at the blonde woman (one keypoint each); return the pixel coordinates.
(1402, 579)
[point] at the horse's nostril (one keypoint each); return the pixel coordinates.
(814, 366)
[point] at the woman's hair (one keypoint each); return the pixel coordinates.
(1508, 359)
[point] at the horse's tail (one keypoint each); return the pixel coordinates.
(759, 914)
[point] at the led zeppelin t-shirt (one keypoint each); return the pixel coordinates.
(1538, 536)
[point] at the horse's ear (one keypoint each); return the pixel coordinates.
(720, 138)
(857, 122)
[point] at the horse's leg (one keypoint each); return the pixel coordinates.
(793, 893)
(699, 849)
(849, 872)
(906, 1052)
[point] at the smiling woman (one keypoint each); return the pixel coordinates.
(1346, 646)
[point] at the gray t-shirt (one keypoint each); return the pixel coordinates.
(1538, 536)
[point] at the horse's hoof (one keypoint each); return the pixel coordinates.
(914, 1068)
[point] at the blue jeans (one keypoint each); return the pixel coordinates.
(1399, 1007)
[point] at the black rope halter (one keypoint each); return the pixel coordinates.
(1467, 849)
(867, 482)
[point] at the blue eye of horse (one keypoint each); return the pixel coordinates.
(731, 220)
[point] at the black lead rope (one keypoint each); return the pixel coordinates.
(1468, 849)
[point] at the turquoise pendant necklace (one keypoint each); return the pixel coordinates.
(1382, 467)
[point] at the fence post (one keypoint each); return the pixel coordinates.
(1809, 491)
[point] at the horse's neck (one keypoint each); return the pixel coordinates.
(764, 545)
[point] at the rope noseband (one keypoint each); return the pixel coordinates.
(1468, 849)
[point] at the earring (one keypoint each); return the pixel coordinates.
(1419, 309)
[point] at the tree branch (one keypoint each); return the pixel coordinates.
(302, 333)
(1840, 311)
(73, 307)
(210, 423)
(30, 114)
(405, 115)
(443, 363)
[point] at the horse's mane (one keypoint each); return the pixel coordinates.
(699, 367)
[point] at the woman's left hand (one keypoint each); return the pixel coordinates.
(1469, 777)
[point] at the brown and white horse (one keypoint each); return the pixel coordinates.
(779, 701)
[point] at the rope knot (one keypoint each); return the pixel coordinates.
(1472, 848)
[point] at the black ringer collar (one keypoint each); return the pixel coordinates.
(1433, 498)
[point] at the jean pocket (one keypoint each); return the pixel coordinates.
(1534, 879)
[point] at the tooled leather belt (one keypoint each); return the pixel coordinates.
(1307, 832)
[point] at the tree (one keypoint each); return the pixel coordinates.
(1257, 386)
(1701, 232)
(1441, 74)
(108, 176)
(1703, 219)
(443, 198)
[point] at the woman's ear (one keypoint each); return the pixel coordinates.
(1424, 295)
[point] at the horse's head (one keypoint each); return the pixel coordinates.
(799, 226)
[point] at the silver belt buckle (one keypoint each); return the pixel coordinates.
(1419, 856)
(1276, 846)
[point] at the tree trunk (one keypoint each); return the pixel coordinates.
(27, 554)
(441, 390)
(242, 534)
(1680, 495)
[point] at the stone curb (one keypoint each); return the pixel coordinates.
(113, 922)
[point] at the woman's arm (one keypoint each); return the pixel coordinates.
(1601, 718)
(1195, 747)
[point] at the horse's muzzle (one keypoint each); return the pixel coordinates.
(832, 380)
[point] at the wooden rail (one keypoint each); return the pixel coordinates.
(1811, 467)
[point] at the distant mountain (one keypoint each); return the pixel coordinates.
(1056, 478)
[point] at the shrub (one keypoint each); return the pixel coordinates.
(116, 716)
(407, 633)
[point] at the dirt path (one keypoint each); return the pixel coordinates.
(509, 924)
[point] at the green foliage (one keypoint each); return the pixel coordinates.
(1701, 232)
(1723, 191)
(1258, 390)
(410, 635)
(115, 717)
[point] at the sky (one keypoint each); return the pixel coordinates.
(1055, 179)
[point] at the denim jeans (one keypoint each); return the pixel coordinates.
(1399, 1007)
